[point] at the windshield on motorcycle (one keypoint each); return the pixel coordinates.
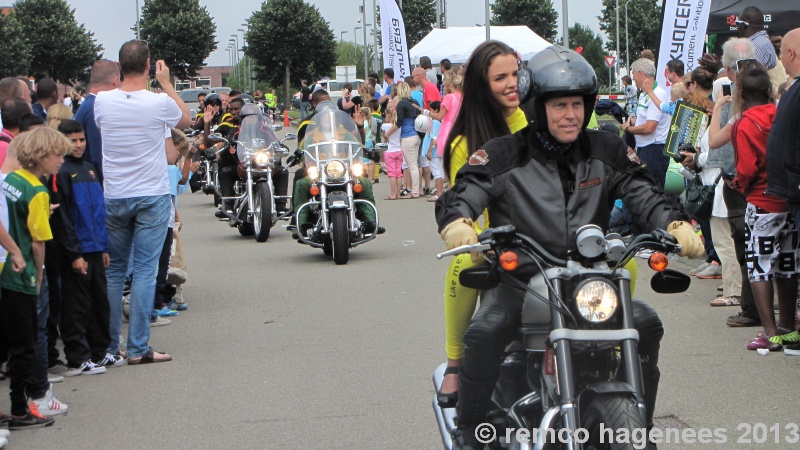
(331, 135)
(255, 133)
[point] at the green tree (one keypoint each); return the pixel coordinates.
(306, 47)
(15, 49)
(583, 36)
(644, 26)
(538, 15)
(419, 17)
(60, 48)
(180, 32)
(348, 54)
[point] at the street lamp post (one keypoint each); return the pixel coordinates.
(236, 41)
(137, 19)
(565, 15)
(355, 46)
(235, 58)
(627, 41)
(341, 35)
(247, 62)
(617, 56)
(230, 58)
(364, 15)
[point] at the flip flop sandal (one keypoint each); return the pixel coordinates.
(390, 198)
(725, 301)
(147, 358)
(433, 198)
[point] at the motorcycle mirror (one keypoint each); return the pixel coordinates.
(479, 277)
(669, 282)
(290, 137)
(277, 127)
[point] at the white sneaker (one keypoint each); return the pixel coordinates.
(160, 322)
(3, 442)
(49, 404)
(4, 433)
(54, 378)
(87, 368)
(111, 361)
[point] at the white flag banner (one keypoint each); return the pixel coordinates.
(682, 35)
(393, 36)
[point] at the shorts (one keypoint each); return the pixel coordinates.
(771, 244)
(423, 162)
(436, 168)
(394, 162)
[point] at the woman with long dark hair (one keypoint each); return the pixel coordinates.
(489, 109)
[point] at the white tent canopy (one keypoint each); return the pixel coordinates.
(457, 43)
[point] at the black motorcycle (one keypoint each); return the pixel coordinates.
(575, 365)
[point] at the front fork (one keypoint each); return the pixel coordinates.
(570, 418)
(325, 209)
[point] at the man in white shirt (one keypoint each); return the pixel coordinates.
(651, 126)
(134, 123)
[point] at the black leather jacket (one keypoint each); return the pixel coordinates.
(548, 195)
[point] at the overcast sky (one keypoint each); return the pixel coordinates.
(111, 20)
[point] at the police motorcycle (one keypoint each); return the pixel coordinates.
(332, 154)
(574, 368)
(258, 151)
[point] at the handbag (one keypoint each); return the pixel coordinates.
(700, 198)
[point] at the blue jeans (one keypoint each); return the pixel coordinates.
(138, 222)
(305, 110)
(656, 161)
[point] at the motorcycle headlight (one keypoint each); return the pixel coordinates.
(261, 159)
(596, 300)
(358, 170)
(313, 172)
(334, 170)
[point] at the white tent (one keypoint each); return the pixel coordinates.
(457, 43)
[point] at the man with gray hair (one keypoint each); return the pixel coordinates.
(721, 154)
(105, 77)
(651, 126)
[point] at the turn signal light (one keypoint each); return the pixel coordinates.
(658, 261)
(358, 188)
(314, 190)
(509, 261)
(201, 146)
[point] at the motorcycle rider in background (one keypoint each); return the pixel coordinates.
(552, 173)
(212, 106)
(228, 162)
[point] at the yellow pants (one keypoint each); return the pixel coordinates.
(460, 302)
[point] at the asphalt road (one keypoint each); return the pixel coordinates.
(282, 349)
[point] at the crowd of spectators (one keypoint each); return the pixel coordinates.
(87, 227)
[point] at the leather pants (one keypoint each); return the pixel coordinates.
(497, 323)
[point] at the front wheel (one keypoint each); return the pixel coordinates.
(262, 212)
(340, 236)
(613, 412)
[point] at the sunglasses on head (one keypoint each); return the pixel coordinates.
(740, 63)
(741, 22)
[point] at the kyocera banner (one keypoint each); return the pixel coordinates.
(682, 34)
(393, 34)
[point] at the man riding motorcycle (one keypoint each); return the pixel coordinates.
(301, 192)
(548, 180)
(210, 114)
(229, 161)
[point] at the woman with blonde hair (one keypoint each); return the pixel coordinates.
(407, 110)
(56, 113)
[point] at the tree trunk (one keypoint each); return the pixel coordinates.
(286, 97)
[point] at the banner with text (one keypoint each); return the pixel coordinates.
(682, 35)
(393, 37)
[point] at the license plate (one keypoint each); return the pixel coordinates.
(338, 203)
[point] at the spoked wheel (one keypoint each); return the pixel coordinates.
(612, 412)
(262, 212)
(340, 235)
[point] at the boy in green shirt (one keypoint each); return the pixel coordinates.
(40, 152)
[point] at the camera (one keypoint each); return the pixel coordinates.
(153, 82)
(686, 148)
